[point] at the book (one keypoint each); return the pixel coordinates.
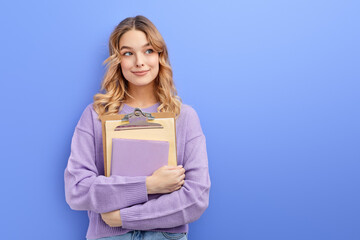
(138, 157)
(167, 133)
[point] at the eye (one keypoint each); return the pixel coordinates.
(149, 51)
(127, 53)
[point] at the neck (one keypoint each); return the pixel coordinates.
(143, 96)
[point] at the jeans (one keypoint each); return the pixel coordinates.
(147, 235)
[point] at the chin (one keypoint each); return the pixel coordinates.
(140, 83)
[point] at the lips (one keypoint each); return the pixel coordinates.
(141, 73)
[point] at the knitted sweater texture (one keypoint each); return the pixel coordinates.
(86, 187)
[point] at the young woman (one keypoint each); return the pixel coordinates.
(159, 206)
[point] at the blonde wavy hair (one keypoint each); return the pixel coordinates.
(116, 86)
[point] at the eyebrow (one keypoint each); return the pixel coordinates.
(123, 47)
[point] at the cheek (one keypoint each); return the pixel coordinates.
(154, 59)
(125, 64)
(154, 62)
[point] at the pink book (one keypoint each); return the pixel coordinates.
(135, 157)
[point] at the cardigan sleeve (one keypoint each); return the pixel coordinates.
(85, 189)
(186, 204)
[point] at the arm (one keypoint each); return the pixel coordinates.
(85, 189)
(185, 205)
(164, 180)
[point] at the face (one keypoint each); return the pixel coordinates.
(139, 61)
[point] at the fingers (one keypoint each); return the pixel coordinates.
(180, 170)
(182, 177)
(172, 178)
(177, 187)
(181, 183)
(173, 167)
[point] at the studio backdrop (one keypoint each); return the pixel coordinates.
(276, 85)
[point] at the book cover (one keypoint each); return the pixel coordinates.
(137, 157)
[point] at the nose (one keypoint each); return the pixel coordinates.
(139, 61)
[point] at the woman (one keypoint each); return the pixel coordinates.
(159, 206)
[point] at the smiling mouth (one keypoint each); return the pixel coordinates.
(141, 71)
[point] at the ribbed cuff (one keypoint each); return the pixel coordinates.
(129, 217)
(136, 192)
(133, 219)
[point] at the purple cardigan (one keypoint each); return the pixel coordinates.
(86, 187)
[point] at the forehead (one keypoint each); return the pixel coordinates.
(134, 39)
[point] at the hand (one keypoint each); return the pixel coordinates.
(166, 179)
(112, 219)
